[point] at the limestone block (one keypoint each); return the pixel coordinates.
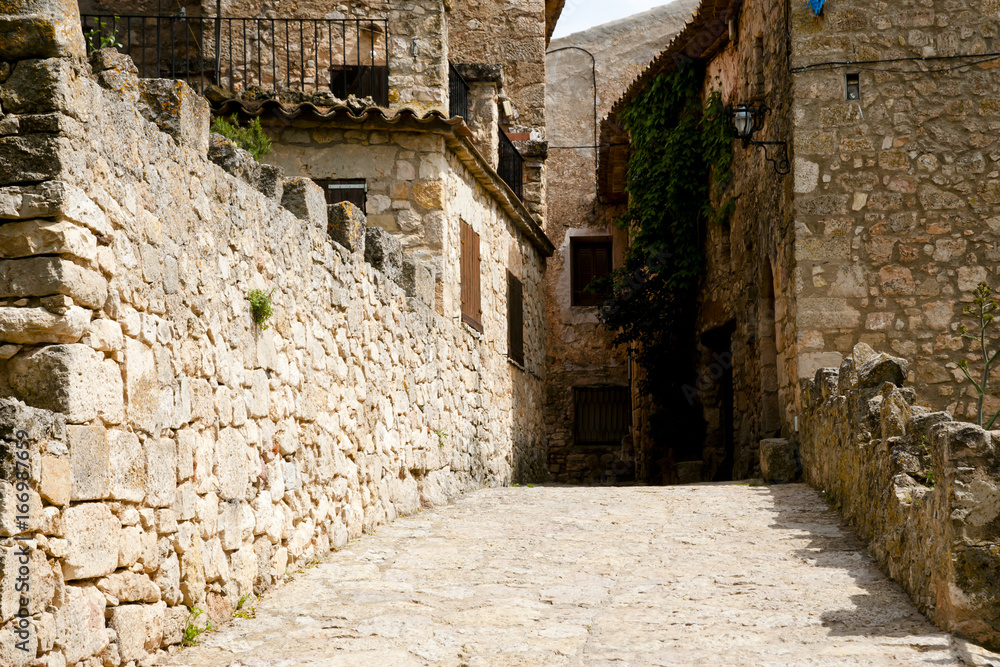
(272, 182)
(28, 326)
(46, 86)
(346, 225)
(46, 237)
(19, 564)
(57, 480)
(53, 198)
(92, 533)
(130, 587)
(71, 379)
(175, 619)
(33, 157)
(177, 110)
(141, 385)
(418, 280)
(168, 578)
(80, 623)
(778, 461)
(161, 471)
(104, 335)
(231, 525)
(89, 461)
(139, 629)
(127, 466)
(130, 546)
(305, 200)
(234, 160)
(876, 368)
(43, 276)
(42, 426)
(235, 465)
(243, 569)
(384, 252)
(40, 29)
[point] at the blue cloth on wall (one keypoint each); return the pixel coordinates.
(817, 6)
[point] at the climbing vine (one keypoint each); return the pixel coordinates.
(678, 179)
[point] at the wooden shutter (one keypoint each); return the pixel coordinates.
(590, 259)
(472, 311)
(515, 318)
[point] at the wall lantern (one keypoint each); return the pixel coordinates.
(748, 120)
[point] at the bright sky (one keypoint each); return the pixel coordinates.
(579, 15)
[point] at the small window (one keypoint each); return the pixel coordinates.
(590, 259)
(602, 415)
(354, 190)
(853, 87)
(515, 318)
(472, 311)
(614, 174)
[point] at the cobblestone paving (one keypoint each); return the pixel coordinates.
(710, 574)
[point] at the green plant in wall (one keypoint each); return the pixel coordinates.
(250, 138)
(97, 40)
(982, 309)
(260, 307)
(680, 169)
(441, 434)
(193, 630)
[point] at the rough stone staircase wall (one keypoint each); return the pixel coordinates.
(160, 451)
(922, 490)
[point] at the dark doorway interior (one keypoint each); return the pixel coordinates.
(720, 342)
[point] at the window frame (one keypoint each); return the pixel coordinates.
(580, 298)
(623, 401)
(332, 185)
(515, 319)
(470, 263)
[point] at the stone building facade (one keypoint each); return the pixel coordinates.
(177, 452)
(581, 355)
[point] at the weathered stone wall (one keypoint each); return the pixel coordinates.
(745, 327)
(923, 490)
(180, 454)
(896, 195)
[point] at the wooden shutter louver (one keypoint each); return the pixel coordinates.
(515, 318)
(602, 416)
(472, 311)
(590, 259)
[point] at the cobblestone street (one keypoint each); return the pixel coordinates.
(711, 574)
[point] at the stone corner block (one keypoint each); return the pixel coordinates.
(418, 280)
(272, 182)
(779, 460)
(384, 252)
(177, 110)
(346, 225)
(40, 29)
(71, 379)
(233, 159)
(305, 200)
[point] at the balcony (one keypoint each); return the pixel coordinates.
(342, 57)
(458, 94)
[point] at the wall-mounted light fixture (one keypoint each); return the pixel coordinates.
(747, 120)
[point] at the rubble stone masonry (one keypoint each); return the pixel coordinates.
(180, 454)
(922, 490)
(897, 195)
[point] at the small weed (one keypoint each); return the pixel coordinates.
(441, 434)
(248, 612)
(931, 480)
(260, 306)
(193, 630)
(251, 138)
(531, 486)
(96, 40)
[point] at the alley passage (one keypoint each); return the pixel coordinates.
(710, 574)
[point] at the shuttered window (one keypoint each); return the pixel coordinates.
(591, 258)
(613, 174)
(472, 311)
(515, 318)
(354, 190)
(602, 415)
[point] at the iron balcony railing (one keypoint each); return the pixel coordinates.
(458, 93)
(511, 168)
(340, 56)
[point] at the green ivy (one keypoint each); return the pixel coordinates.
(678, 179)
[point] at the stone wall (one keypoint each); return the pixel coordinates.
(896, 195)
(179, 453)
(923, 490)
